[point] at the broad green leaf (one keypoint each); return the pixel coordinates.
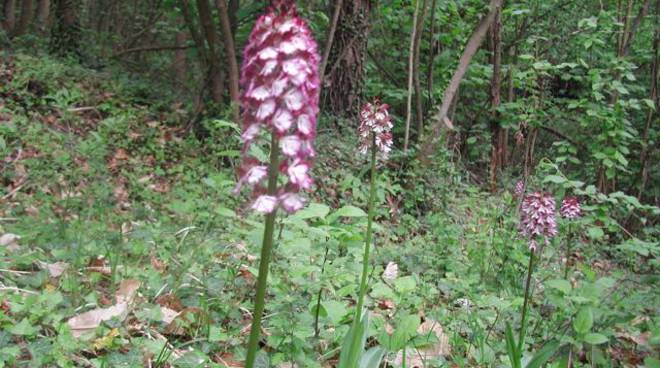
(583, 321)
(405, 284)
(543, 355)
(511, 347)
(335, 310)
(191, 359)
(373, 357)
(350, 211)
(559, 284)
(314, 210)
(595, 232)
(554, 179)
(353, 344)
(23, 328)
(595, 338)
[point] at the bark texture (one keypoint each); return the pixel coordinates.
(345, 69)
(65, 34)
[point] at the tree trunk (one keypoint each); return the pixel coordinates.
(179, 65)
(215, 76)
(435, 50)
(345, 76)
(329, 39)
(65, 35)
(43, 11)
(411, 71)
(230, 52)
(27, 13)
(653, 95)
(419, 31)
(234, 6)
(470, 49)
(497, 138)
(9, 16)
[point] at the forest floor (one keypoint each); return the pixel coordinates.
(121, 245)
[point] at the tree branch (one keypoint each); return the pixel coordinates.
(471, 48)
(149, 48)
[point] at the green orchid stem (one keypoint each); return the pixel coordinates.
(569, 240)
(367, 242)
(355, 349)
(266, 251)
(523, 318)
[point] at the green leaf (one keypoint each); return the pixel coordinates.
(583, 321)
(191, 359)
(314, 210)
(511, 347)
(559, 284)
(595, 338)
(373, 357)
(225, 212)
(405, 284)
(406, 329)
(350, 211)
(335, 310)
(595, 232)
(554, 179)
(23, 328)
(543, 355)
(353, 344)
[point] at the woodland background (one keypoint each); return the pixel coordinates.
(119, 135)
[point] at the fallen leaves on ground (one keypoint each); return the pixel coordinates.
(416, 358)
(90, 320)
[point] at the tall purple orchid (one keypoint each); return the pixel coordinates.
(280, 84)
(537, 220)
(280, 93)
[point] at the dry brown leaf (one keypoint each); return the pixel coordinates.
(88, 321)
(416, 358)
(227, 359)
(127, 290)
(9, 239)
(168, 315)
(54, 269)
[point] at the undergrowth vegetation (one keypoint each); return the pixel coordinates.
(123, 246)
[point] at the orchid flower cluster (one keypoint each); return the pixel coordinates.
(376, 120)
(570, 208)
(280, 84)
(537, 212)
(519, 189)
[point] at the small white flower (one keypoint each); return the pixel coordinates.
(290, 145)
(282, 120)
(291, 202)
(265, 204)
(298, 174)
(391, 271)
(255, 174)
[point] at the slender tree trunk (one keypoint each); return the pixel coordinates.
(27, 14)
(65, 35)
(329, 39)
(653, 95)
(234, 6)
(440, 119)
(432, 53)
(230, 52)
(180, 65)
(419, 31)
(411, 71)
(43, 11)
(345, 68)
(213, 41)
(497, 140)
(9, 21)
